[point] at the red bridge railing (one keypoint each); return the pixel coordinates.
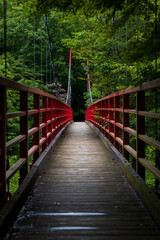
(125, 119)
(49, 116)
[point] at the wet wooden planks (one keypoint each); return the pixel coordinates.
(82, 194)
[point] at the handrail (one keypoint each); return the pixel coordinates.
(50, 115)
(111, 115)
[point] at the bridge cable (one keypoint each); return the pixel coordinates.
(34, 49)
(126, 51)
(137, 40)
(5, 35)
(89, 86)
(113, 22)
(41, 55)
(119, 51)
(68, 98)
(23, 46)
(55, 86)
(46, 52)
(50, 72)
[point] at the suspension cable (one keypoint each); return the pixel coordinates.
(89, 86)
(41, 55)
(113, 22)
(68, 99)
(52, 61)
(23, 46)
(34, 49)
(46, 51)
(50, 72)
(5, 35)
(126, 50)
(119, 51)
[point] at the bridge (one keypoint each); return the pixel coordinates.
(79, 180)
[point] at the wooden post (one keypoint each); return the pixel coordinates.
(2, 146)
(117, 120)
(44, 120)
(140, 127)
(24, 131)
(111, 118)
(36, 123)
(50, 118)
(125, 124)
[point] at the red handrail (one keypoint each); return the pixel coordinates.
(111, 115)
(50, 115)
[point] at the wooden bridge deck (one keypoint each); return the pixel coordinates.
(82, 194)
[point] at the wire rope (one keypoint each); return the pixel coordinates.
(34, 50)
(41, 56)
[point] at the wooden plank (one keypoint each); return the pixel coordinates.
(131, 150)
(32, 150)
(118, 109)
(119, 125)
(12, 170)
(33, 111)
(42, 125)
(149, 114)
(43, 110)
(15, 141)
(49, 134)
(155, 171)
(131, 111)
(112, 122)
(49, 122)
(149, 141)
(131, 131)
(112, 134)
(32, 131)
(119, 140)
(15, 114)
(42, 140)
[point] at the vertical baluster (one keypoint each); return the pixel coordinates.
(110, 119)
(117, 120)
(52, 120)
(2, 146)
(140, 127)
(24, 131)
(36, 123)
(125, 124)
(44, 120)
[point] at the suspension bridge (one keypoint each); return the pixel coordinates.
(81, 183)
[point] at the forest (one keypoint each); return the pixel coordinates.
(119, 40)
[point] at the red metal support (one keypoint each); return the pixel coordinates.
(140, 127)
(24, 131)
(44, 120)
(112, 114)
(117, 120)
(48, 115)
(110, 120)
(2, 145)
(125, 124)
(36, 124)
(50, 120)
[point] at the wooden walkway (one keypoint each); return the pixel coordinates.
(82, 194)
